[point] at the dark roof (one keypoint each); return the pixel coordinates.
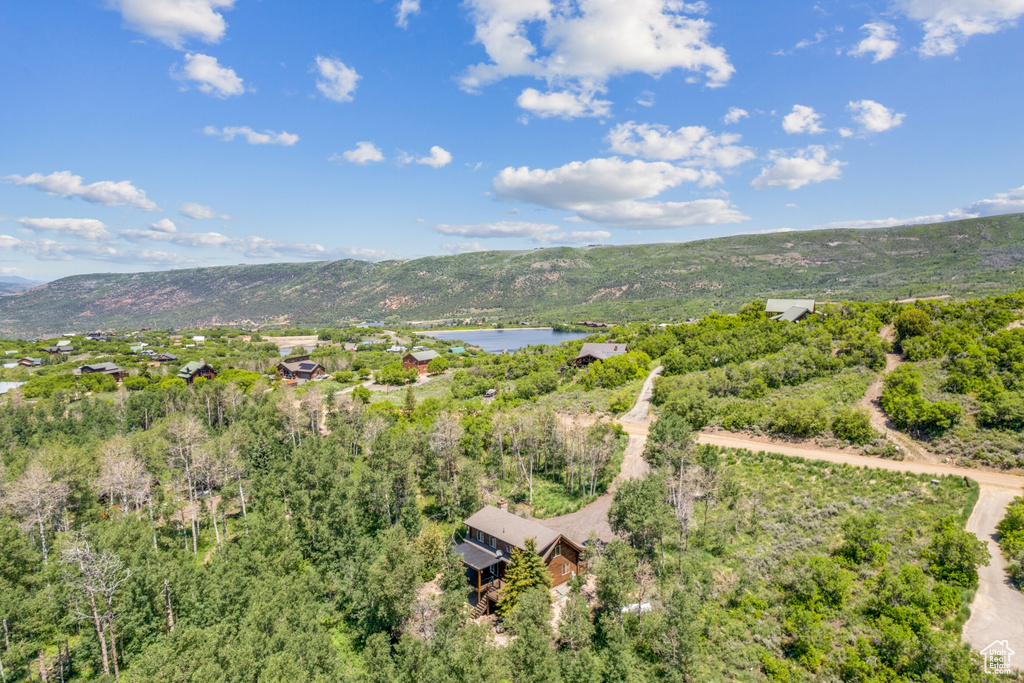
(190, 369)
(510, 528)
(421, 356)
(602, 351)
(479, 556)
(106, 368)
(299, 364)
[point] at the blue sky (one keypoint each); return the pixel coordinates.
(151, 134)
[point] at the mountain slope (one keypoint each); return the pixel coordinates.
(962, 257)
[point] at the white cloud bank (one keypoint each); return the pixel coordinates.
(88, 229)
(267, 137)
(874, 117)
(209, 76)
(948, 24)
(336, 82)
(881, 42)
(106, 192)
(404, 10)
(200, 212)
(692, 145)
(810, 165)
(437, 158)
(173, 21)
(802, 119)
(1002, 203)
(565, 104)
(364, 153)
(734, 115)
(537, 233)
(607, 191)
(578, 49)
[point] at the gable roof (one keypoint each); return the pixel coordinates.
(421, 356)
(192, 368)
(783, 305)
(602, 351)
(792, 314)
(299, 364)
(510, 528)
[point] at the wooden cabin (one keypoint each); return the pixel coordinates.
(419, 360)
(487, 552)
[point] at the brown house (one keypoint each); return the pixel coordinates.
(190, 372)
(487, 552)
(592, 352)
(301, 368)
(419, 360)
(105, 368)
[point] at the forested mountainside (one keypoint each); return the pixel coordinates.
(617, 283)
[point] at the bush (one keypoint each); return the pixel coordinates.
(912, 322)
(853, 425)
(135, 383)
(361, 394)
(799, 417)
(437, 365)
(954, 555)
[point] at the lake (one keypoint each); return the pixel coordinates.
(496, 341)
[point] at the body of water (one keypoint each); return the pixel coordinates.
(496, 341)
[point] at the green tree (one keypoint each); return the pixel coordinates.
(912, 322)
(410, 402)
(438, 365)
(527, 571)
(640, 509)
(615, 571)
(853, 425)
(531, 654)
(954, 555)
(361, 394)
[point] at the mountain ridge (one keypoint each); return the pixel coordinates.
(966, 257)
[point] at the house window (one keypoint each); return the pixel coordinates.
(479, 535)
(558, 550)
(565, 569)
(493, 542)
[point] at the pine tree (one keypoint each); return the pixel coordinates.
(410, 402)
(526, 571)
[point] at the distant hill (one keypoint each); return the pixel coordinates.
(613, 283)
(12, 284)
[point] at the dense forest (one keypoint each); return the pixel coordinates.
(241, 529)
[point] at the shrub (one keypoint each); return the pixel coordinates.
(853, 425)
(799, 417)
(912, 322)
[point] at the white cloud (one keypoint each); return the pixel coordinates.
(164, 225)
(949, 23)
(462, 247)
(645, 99)
(538, 233)
(438, 157)
(664, 214)
(566, 104)
(404, 10)
(211, 78)
(694, 145)
(881, 42)
(364, 153)
(580, 47)
(734, 115)
(52, 250)
(596, 181)
(85, 228)
(267, 137)
(845, 133)
(173, 21)
(802, 119)
(106, 192)
(337, 82)
(819, 36)
(810, 165)
(200, 212)
(874, 117)
(250, 246)
(893, 222)
(1004, 202)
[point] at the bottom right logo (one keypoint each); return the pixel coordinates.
(997, 657)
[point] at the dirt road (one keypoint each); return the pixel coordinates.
(997, 612)
(642, 408)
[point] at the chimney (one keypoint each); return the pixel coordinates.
(503, 504)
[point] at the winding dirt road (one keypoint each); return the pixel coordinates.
(997, 612)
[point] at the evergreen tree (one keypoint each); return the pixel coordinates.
(526, 572)
(410, 402)
(531, 654)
